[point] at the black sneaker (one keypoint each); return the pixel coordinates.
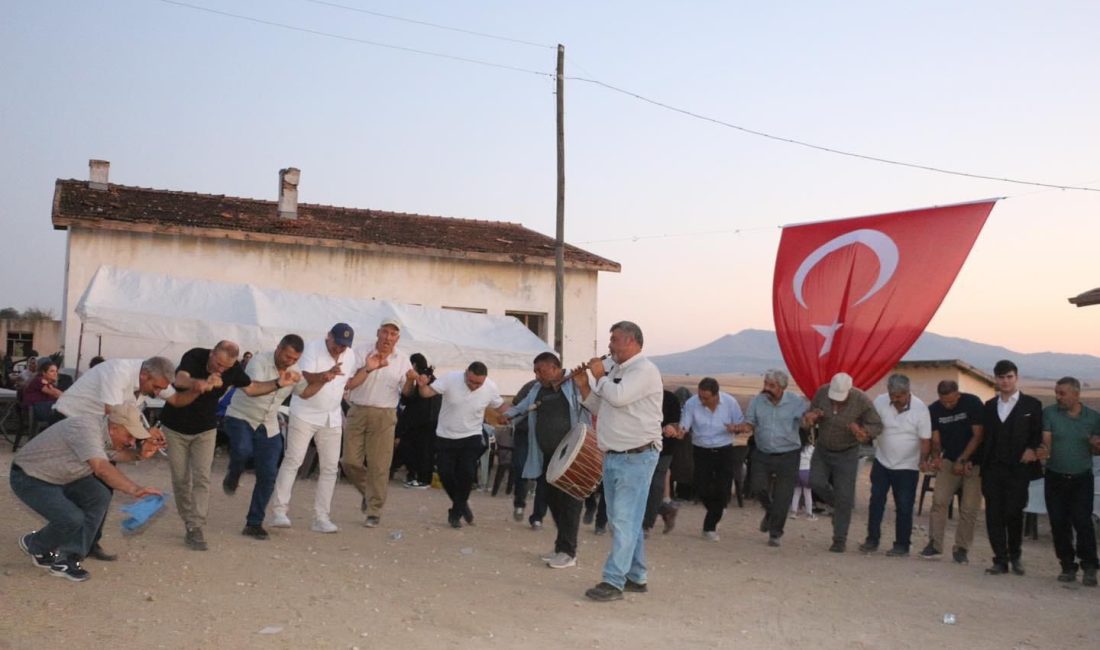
(1017, 566)
(838, 546)
(635, 587)
(897, 551)
(604, 592)
(454, 519)
(589, 515)
(40, 560)
(868, 546)
(194, 539)
(229, 484)
(600, 530)
(773, 540)
(256, 532)
(930, 552)
(959, 555)
(1089, 579)
(997, 569)
(69, 569)
(1068, 575)
(468, 514)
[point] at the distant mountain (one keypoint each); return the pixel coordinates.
(754, 351)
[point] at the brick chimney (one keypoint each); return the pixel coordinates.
(97, 174)
(288, 192)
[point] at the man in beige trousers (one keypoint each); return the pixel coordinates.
(368, 432)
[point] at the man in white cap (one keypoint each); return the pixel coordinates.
(63, 474)
(845, 418)
(368, 434)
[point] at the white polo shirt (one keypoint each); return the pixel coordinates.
(898, 447)
(112, 382)
(382, 389)
(323, 408)
(463, 411)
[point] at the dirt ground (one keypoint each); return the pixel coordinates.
(483, 586)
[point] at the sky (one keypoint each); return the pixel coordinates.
(185, 99)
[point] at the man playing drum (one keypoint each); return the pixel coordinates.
(553, 409)
(627, 405)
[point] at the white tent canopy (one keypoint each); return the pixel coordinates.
(127, 313)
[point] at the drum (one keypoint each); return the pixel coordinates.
(577, 465)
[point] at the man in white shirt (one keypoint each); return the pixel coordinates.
(627, 404)
(327, 362)
(901, 452)
(116, 381)
(712, 417)
(368, 434)
(252, 425)
(458, 442)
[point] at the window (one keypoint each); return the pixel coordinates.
(472, 310)
(19, 344)
(534, 321)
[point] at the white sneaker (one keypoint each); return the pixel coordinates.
(279, 521)
(710, 535)
(793, 514)
(562, 561)
(546, 557)
(323, 526)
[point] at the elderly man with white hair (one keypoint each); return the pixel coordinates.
(773, 418)
(845, 418)
(903, 449)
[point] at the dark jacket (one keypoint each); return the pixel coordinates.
(1004, 442)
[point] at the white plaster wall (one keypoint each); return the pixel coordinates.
(428, 281)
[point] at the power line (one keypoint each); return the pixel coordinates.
(818, 147)
(353, 39)
(607, 86)
(704, 233)
(428, 24)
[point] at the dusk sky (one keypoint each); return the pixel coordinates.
(184, 99)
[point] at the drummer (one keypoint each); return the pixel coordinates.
(553, 409)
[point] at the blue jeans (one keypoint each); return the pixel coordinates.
(626, 479)
(73, 512)
(903, 482)
(244, 443)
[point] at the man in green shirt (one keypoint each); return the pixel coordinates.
(1071, 435)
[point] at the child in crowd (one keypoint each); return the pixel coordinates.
(803, 488)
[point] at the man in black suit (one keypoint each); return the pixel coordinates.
(1013, 431)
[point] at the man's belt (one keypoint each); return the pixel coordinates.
(636, 450)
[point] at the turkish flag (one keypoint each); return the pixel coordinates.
(853, 295)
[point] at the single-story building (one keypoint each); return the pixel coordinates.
(488, 267)
(924, 376)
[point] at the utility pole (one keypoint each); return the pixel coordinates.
(559, 245)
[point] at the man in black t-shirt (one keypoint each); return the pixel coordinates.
(956, 437)
(190, 426)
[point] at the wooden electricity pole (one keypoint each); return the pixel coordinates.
(559, 245)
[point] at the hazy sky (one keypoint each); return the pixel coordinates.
(177, 98)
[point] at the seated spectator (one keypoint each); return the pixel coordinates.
(41, 391)
(95, 361)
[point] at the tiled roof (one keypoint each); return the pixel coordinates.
(207, 215)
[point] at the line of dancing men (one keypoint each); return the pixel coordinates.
(67, 473)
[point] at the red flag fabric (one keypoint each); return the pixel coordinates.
(853, 295)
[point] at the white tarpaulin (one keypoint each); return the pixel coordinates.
(126, 313)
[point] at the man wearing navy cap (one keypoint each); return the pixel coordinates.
(331, 363)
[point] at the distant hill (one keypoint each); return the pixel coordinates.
(754, 351)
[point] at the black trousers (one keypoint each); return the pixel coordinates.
(1069, 504)
(779, 472)
(1005, 490)
(417, 452)
(713, 481)
(565, 509)
(456, 461)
